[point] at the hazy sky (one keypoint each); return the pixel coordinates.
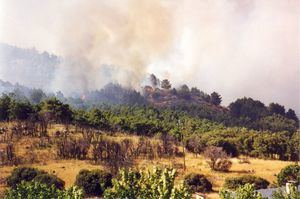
(238, 48)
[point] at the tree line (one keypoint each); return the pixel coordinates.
(244, 112)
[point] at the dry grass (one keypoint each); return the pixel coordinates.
(68, 169)
(64, 169)
(263, 168)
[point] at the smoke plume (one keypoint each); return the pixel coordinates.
(121, 39)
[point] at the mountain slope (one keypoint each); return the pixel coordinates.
(32, 68)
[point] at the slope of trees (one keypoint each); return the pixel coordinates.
(234, 141)
(274, 138)
(254, 114)
(244, 112)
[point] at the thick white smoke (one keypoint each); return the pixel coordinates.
(238, 48)
(127, 36)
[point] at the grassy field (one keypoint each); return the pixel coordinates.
(68, 169)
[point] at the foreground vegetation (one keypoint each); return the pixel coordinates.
(25, 182)
(39, 153)
(122, 139)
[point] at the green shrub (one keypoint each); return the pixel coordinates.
(22, 174)
(198, 183)
(246, 191)
(93, 182)
(279, 194)
(147, 184)
(32, 190)
(291, 172)
(257, 182)
(50, 180)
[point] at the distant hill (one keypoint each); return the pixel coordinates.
(114, 94)
(7, 87)
(27, 66)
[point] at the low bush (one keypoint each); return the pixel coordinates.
(50, 180)
(22, 174)
(291, 172)
(93, 182)
(246, 191)
(222, 165)
(195, 144)
(198, 183)
(38, 190)
(294, 193)
(257, 182)
(157, 183)
(217, 158)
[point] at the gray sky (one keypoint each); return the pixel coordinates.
(237, 48)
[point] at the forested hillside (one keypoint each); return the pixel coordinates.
(244, 112)
(269, 131)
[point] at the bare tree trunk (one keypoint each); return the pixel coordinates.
(184, 167)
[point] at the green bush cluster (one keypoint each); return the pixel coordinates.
(20, 174)
(50, 180)
(294, 193)
(94, 182)
(157, 183)
(31, 190)
(198, 183)
(28, 174)
(239, 141)
(235, 182)
(245, 187)
(246, 191)
(289, 173)
(28, 183)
